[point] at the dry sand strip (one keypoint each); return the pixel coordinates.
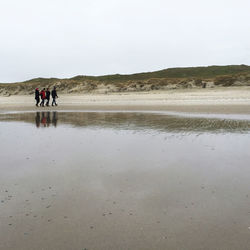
(217, 100)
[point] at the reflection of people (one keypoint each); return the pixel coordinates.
(37, 96)
(54, 119)
(54, 96)
(48, 119)
(43, 97)
(47, 96)
(43, 119)
(37, 119)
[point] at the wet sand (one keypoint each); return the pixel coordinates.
(124, 181)
(171, 174)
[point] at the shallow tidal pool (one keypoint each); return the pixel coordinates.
(124, 180)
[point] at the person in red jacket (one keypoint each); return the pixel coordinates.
(43, 97)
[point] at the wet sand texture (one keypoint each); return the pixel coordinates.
(123, 181)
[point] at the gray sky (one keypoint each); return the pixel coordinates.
(64, 38)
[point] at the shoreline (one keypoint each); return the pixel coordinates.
(219, 101)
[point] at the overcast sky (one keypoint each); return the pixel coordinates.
(64, 38)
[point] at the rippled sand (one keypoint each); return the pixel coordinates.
(88, 180)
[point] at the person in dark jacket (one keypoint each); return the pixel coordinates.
(43, 97)
(47, 96)
(54, 96)
(37, 96)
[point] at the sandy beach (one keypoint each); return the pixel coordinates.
(80, 176)
(217, 100)
(147, 145)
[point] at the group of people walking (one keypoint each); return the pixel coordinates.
(45, 97)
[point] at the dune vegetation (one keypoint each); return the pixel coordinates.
(172, 78)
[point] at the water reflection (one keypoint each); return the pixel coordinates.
(131, 121)
(44, 119)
